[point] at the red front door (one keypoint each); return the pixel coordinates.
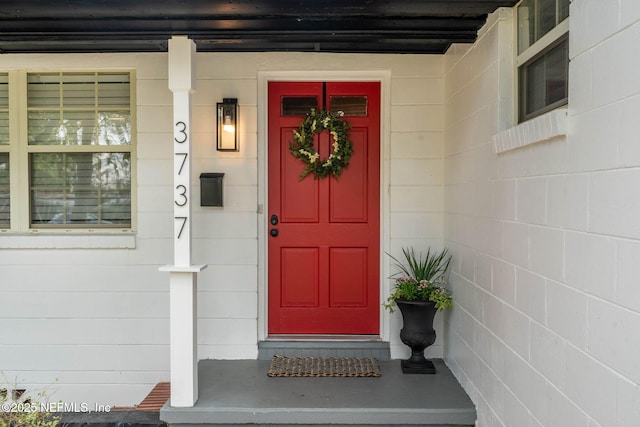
(324, 260)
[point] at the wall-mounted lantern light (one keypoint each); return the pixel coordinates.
(227, 124)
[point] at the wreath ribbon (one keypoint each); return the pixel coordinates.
(318, 121)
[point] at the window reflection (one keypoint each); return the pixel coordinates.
(81, 188)
(5, 201)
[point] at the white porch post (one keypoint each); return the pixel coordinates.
(182, 275)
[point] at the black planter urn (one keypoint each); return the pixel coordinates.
(417, 332)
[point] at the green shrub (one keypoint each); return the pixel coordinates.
(19, 408)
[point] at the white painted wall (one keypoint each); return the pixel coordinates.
(97, 319)
(416, 175)
(544, 331)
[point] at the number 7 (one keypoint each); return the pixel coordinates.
(184, 222)
(184, 160)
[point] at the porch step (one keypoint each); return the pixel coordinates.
(300, 346)
(239, 392)
(119, 418)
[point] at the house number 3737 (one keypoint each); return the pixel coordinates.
(181, 191)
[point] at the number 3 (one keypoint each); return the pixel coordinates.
(183, 194)
(182, 131)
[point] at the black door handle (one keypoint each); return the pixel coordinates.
(274, 219)
(273, 232)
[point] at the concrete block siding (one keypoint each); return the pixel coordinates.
(545, 327)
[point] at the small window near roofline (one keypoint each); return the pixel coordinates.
(543, 56)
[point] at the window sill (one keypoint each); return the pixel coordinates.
(67, 241)
(538, 129)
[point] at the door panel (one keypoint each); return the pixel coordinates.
(324, 261)
(299, 284)
(348, 194)
(348, 274)
(301, 203)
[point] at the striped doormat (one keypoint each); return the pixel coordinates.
(290, 366)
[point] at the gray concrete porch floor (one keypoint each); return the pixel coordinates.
(236, 392)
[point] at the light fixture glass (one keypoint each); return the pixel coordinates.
(227, 122)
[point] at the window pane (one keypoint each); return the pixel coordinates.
(78, 90)
(43, 90)
(80, 189)
(545, 17)
(557, 70)
(298, 105)
(114, 128)
(563, 10)
(349, 105)
(5, 206)
(544, 81)
(79, 128)
(114, 90)
(79, 109)
(537, 17)
(4, 109)
(535, 78)
(526, 33)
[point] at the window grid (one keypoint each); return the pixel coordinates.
(74, 148)
(98, 101)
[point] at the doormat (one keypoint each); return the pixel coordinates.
(290, 366)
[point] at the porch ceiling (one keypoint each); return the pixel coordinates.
(367, 26)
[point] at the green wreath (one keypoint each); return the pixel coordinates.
(317, 121)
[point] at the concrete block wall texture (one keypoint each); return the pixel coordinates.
(544, 331)
(97, 319)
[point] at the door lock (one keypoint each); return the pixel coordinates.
(274, 219)
(273, 232)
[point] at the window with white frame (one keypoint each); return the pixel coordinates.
(543, 56)
(73, 149)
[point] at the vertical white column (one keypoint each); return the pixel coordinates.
(182, 275)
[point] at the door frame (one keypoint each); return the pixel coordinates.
(264, 77)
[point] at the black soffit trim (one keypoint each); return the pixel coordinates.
(367, 26)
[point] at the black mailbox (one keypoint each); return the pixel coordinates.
(211, 189)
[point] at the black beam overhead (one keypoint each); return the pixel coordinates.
(353, 26)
